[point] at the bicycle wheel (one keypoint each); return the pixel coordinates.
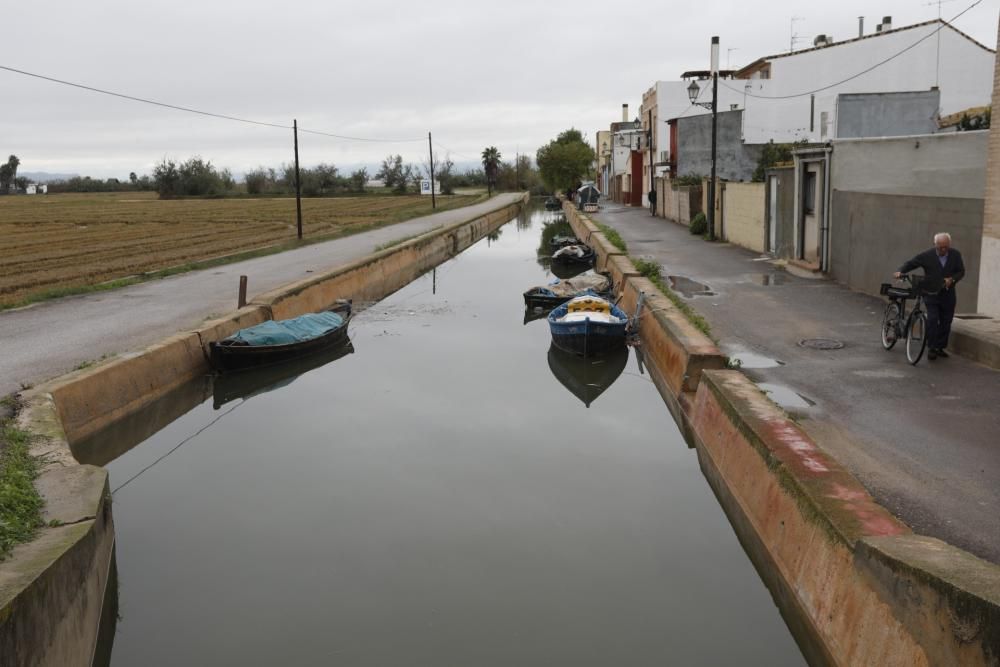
(890, 324)
(916, 336)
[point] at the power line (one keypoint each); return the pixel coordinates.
(863, 72)
(200, 112)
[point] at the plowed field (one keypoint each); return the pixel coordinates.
(52, 242)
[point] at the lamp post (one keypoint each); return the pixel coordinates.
(693, 91)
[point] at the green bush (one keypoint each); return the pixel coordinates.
(690, 179)
(699, 225)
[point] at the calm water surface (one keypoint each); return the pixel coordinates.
(440, 496)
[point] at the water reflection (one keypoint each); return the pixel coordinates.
(232, 386)
(586, 378)
(425, 503)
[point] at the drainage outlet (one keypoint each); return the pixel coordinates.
(821, 343)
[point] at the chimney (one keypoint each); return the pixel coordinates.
(624, 113)
(861, 26)
(886, 23)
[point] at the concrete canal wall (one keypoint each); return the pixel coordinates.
(852, 580)
(52, 589)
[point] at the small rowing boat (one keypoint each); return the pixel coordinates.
(588, 326)
(280, 341)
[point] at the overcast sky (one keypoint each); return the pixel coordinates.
(510, 74)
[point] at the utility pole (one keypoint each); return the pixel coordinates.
(298, 181)
(517, 171)
(430, 147)
(652, 184)
(715, 135)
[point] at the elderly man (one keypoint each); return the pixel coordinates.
(943, 268)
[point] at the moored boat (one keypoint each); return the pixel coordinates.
(563, 241)
(561, 291)
(279, 341)
(574, 254)
(552, 204)
(588, 326)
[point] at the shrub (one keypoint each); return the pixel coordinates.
(699, 224)
(690, 179)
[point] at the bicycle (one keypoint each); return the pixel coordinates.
(897, 323)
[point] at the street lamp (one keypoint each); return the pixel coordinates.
(693, 91)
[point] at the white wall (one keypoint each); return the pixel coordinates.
(673, 102)
(966, 80)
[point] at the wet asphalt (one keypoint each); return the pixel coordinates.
(50, 338)
(923, 440)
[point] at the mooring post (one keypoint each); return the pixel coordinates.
(242, 299)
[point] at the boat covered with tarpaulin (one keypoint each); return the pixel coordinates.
(277, 341)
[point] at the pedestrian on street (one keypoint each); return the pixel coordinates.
(943, 268)
(652, 201)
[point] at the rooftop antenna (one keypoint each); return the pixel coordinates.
(792, 35)
(937, 68)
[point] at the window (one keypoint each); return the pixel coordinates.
(809, 194)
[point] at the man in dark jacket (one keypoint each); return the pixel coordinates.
(943, 268)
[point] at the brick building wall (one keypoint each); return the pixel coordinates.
(989, 268)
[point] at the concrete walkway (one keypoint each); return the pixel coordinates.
(923, 440)
(50, 338)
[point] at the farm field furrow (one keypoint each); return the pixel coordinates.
(64, 241)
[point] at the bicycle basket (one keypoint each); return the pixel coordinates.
(887, 289)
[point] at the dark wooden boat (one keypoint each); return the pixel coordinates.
(235, 354)
(553, 204)
(588, 326)
(255, 381)
(574, 254)
(587, 378)
(566, 271)
(546, 297)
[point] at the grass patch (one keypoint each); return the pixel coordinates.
(20, 504)
(613, 236)
(651, 270)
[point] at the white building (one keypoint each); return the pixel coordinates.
(776, 89)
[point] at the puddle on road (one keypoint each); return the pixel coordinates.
(786, 397)
(749, 359)
(452, 492)
(689, 288)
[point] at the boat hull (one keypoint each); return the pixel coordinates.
(588, 337)
(229, 358)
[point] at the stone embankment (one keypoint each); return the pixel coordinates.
(52, 589)
(856, 584)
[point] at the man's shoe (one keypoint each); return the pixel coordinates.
(932, 355)
(943, 354)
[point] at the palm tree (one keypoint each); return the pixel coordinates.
(491, 163)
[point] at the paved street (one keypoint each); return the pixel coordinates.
(922, 439)
(50, 338)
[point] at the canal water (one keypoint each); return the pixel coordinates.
(449, 491)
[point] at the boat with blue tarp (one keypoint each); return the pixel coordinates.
(278, 341)
(588, 326)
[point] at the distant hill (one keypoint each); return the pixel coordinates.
(44, 176)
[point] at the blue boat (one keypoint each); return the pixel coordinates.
(588, 326)
(280, 341)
